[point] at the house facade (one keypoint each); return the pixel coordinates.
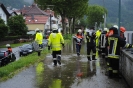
(35, 17)
(4, 14)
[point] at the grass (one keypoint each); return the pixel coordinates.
(15, 45)
(13, 68)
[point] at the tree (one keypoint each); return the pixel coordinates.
(17, 25)
(3, 29)
(71, 9)
(95, 14)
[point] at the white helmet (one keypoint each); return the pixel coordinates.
(105, 29)
(7, 45)
(37, 29)
(79, 30)
(54, 27)
(115, 26)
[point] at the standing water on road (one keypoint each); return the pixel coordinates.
(75, 72)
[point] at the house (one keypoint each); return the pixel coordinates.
(35, 17)
(4, 14)
(12, 11)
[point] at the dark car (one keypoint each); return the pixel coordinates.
(6, 58)
(44, 43)
(25, 49)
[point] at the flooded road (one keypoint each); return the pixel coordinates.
(75, 72)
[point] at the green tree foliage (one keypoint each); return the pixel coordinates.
(95, 14)
(113, 8)
(3, 29)
(66, 8)
(17, 25)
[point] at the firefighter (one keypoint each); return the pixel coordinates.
(98, 50)
(115, 42)
(9, 48)
(55, 42)
(91, 45)
(39, 39)
(122, 30)
(78, 39)
(102, 42)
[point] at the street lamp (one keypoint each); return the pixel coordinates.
(119, 23)
(50, 7)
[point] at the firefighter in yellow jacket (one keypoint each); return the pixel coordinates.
(98, 33)
(55, 42)
(39, 39)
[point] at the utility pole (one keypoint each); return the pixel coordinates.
(104, 16)
(119, 23)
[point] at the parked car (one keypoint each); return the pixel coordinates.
(44, 43)
(25, 49)
(6, 58)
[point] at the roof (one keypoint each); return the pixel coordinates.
(34, 10)
(4, 9)
(36, 19)
(11, 12)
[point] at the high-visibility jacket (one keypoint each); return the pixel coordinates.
(55, 41)
(78, 38)
(98, 33)
(114, 43)
(39, 38)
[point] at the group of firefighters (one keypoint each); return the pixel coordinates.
(107, 43)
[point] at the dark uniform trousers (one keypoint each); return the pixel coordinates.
(57, 55)
(113, 67)
(89, 49)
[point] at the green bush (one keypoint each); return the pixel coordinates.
(67, 36)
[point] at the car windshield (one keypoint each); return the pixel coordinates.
(26, 46)
(1, 54)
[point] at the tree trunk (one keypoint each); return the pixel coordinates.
(73, 31)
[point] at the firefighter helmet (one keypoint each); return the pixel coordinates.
(80, 30)
(54, 27)
(37, 30)
(115, 26)
(106, 29)
(122, 29)
(8, 45)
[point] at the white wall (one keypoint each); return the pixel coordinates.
(3, 15)
(129, 36)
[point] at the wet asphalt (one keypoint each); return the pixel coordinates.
(75, 72)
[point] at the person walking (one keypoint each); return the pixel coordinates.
(39, 39)
(78, 39)
(91, 45)
(98, 49)
(55, 42)
(114, 43)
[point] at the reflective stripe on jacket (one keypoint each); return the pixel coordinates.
(98, 33)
